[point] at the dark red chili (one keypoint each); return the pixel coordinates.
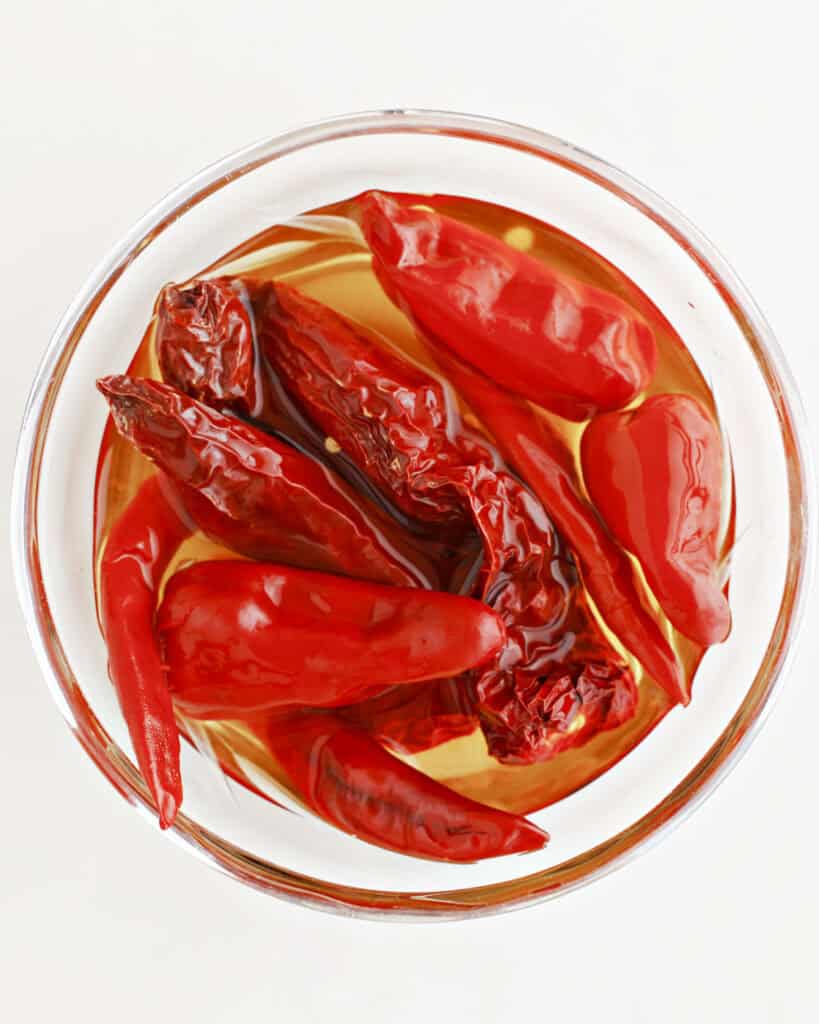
(254, 493)
(139, 547)
(347, 778)
(569, 346)
(655, 474)
(245, 636)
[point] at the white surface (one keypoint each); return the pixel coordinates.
(105, 107)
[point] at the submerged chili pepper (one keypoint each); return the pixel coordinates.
(350, 781)
(540, 456)
(245, 636)
(410, 719)
(566, 345)
(655, 474)
(254, 493)
(204, 344)
(401, 426)
(136, 554)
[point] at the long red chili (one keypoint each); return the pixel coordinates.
(528, 442)
(567, 345)
(655, 475)
(353, 783)
(246, 636)
(401, 426)
(137, 552)
(249, 491)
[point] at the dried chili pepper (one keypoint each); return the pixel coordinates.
(410, 719)
(204, 344)
(566, 345)
(253, 493)
(350, 781)
(540, 456)
(137, 552)
(239, 637)
(655, 474)
(401, 426)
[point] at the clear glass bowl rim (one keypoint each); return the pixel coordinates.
(700, 782)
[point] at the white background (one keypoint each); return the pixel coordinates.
(104, 106)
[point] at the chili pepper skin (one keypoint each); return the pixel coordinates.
(539, 455)
(136, 554)
(205, 344)
(655, 474)
(410, 719)
(401, 425)
(349, 780)
(248, 490)
(240, 637)
(552, 339)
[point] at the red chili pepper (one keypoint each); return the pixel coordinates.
(239, 637)
(350, 781)
(254, 493)
(409, 719)
(136, 554)
(567, 345)
(401, 426)
(655, 474)
(540, 456)
(204, 344)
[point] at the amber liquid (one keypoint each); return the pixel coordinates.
(326, 259)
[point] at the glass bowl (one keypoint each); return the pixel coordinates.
(281, 850)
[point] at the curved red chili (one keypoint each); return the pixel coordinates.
(243, 636)
(137, 552)
(529, 444)
(566, 345)
(254, 493)
(351, 782)
(655, 474)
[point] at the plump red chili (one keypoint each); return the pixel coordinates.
(539, 455)
(347, 778)
(137, 552)
(567, 345)
(250, 491)
(401, 426)
(655, 475)
(247, 636)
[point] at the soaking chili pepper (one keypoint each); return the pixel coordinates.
(204, 344)
(566, 345)
(655, 474)
(254, 493)
(401, 426)
(246, 636)
(350, 781)
(137, 552)
(540, 456)
(410, 719)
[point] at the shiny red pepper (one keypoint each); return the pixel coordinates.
(204, 344)
(401, 426)
(350, 781)
(410, 719)
(541, 458)
(655, 475)
(254, 493)
(239, 637)
(546, 336)
(136, 554)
